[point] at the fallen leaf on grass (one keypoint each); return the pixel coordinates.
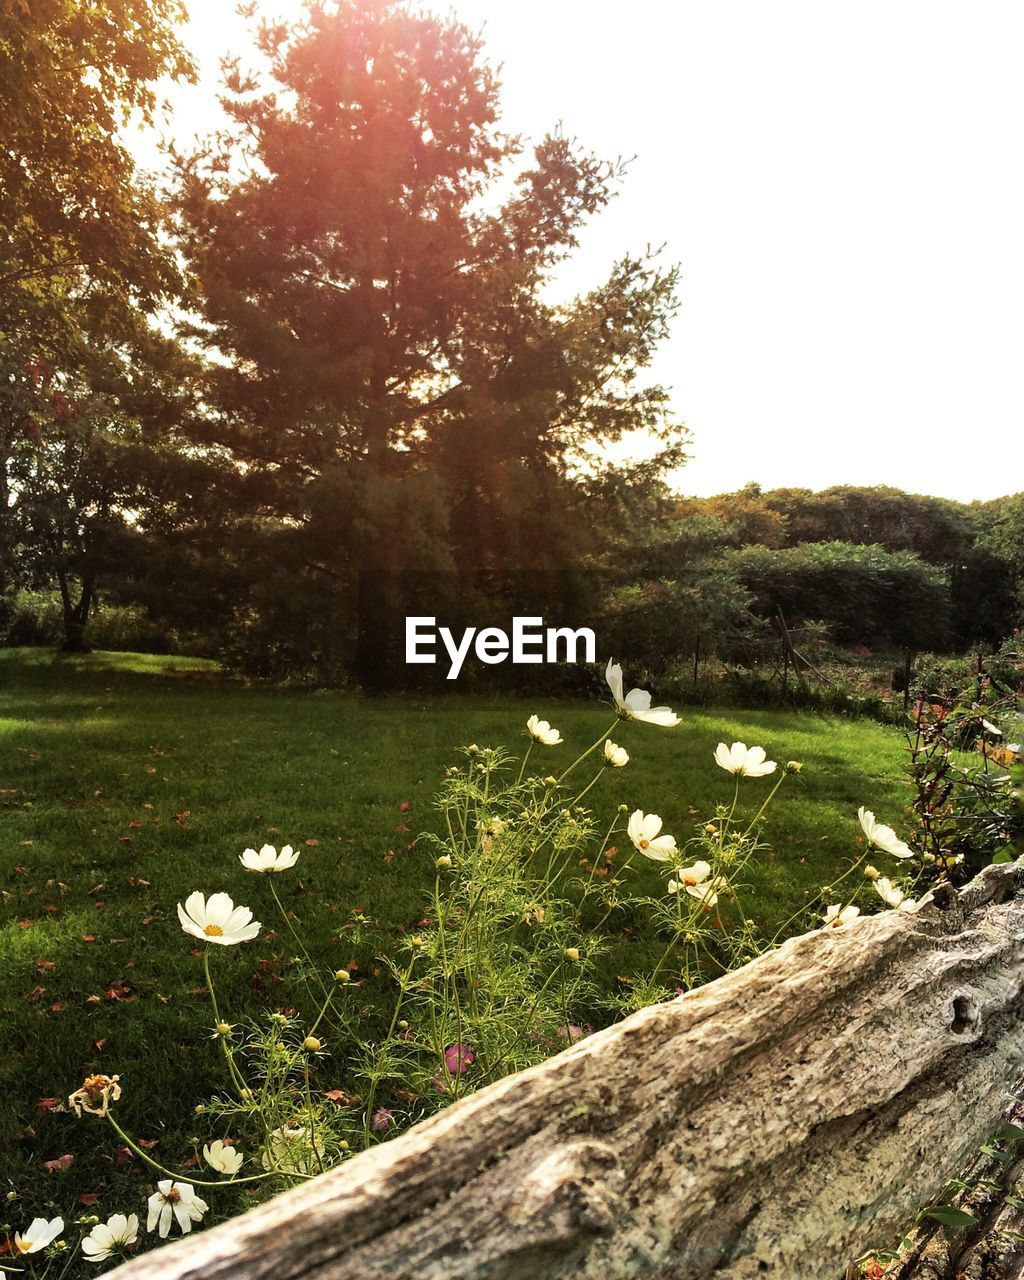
(60, 1164)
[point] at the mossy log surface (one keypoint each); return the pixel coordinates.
(779, 1121)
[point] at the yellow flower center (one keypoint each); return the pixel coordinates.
(173, 1196)
(24, 1246)
(213, 931)
(645, 844)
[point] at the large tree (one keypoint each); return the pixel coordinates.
(393, 377)
(84, 269)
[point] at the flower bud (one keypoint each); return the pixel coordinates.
(872, 873)
(343, 1144)
(623, 808)
(223, 1029)
(572, 953)
(311, 1044)
(550, 781)
(473, 749)
(927, 857)
(12, 1195)
(343, 976)
(793, 766)
(444, 860)
(403, 1024)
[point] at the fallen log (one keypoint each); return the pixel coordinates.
(779, 1121)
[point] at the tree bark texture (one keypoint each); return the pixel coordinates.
(779, 1121)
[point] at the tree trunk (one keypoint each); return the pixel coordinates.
(76, 614)
(781, 1120)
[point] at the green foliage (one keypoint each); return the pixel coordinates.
(86, 380)
(402, 395)
(866, 594)
(37, 618)
(964, 751)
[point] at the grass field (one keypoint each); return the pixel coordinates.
(128, 781)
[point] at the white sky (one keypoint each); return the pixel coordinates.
(842, 184)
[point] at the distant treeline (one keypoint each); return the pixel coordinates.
(877, 565)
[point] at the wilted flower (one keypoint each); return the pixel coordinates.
(572, 1032)
(217, 919)
(382, 1120)
(223, 1158)
(881, 836)
(457, 1058)
(177, 1200)
(540, 731)
(894, 897)
(636, 705)
(290, 1150)
(107, 1237)
(268, 859)
(40, 1233)
(837, 915)
(643, 830)
(96, 1095)
(614, 755)
(748, 762)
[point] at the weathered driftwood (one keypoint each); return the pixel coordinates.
(780, 1120)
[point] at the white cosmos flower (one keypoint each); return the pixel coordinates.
(268, 859)
(881, 836)
(636, 705)
(177, 1200)
(643, 831)
(217, 919)
(40, 1233)
(894, 897)
(748, 762)
(107, 1237)
(540, 731)
(616, 756)
(690, 876)
(707, 893)
(837, 915)
(222, 1158)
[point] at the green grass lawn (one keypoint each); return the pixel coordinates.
(128, 781)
